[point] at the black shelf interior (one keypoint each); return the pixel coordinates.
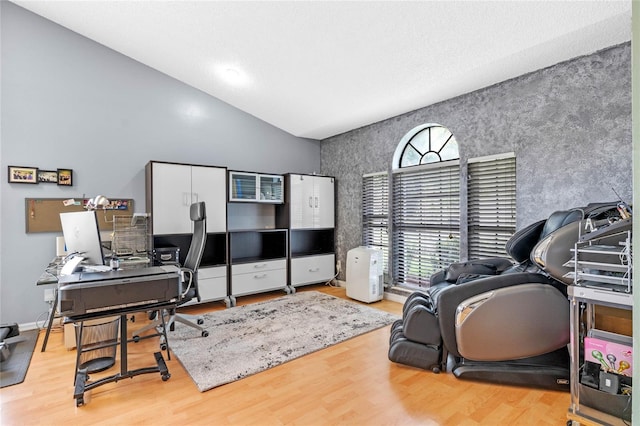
(309, 242)
(252, 246)
(215, 250)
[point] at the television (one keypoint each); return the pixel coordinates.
(82, 236)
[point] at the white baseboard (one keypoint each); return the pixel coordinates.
(395, 297)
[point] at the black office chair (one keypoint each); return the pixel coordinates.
(190, 274)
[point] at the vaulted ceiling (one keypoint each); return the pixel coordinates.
(319, 68)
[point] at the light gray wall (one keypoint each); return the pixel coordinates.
(68, 102)
(569, 126)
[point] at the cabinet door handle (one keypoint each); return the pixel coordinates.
(260, 276)
(314, 269)
(316, 202)
(311, 202)
(194, 197)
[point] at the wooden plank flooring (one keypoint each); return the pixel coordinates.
(352, 383)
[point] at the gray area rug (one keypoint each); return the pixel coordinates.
(14, 369)
(245, 340)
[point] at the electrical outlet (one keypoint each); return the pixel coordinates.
(49, 295)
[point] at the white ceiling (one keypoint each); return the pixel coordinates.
(319, 68)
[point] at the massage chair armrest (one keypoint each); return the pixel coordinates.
(512, 323)
(479, 267)
(447, 297)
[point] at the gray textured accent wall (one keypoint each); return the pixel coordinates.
(569, 126)
(69, 102)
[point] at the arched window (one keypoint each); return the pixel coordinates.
(425, 204)
(425, 144)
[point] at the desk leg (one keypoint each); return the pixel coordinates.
(52, 315)
(124, 368)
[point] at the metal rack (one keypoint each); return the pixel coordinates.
(129, 236)
(602, 276)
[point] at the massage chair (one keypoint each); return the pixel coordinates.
(503, 320)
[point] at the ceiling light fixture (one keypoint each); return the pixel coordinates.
(232, 76)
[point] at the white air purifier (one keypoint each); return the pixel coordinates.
(364, 274)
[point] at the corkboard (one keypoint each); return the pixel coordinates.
(43, 214)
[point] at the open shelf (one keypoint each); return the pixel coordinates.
(215, 251)
(255, 245)
(311, 242)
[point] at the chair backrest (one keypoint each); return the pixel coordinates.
(196, 249)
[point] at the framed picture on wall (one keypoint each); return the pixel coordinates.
(19, 174)
(48, 176)
(65, 177)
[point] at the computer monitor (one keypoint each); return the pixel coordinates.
(82, 235)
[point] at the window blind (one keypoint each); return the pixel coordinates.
(491, 204)
(426, 221)
(375, 214)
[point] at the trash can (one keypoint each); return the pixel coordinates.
(97, 343)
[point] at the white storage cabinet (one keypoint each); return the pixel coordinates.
(312, 201)
(174, 187)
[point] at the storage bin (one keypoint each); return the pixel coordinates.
(97, 344)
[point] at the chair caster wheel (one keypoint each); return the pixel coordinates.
(163, 346)
(205, 333)
(436, 370)
(166, 377)
(136, 338)
(200, 321)
(79, 401)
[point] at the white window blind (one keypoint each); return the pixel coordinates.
(375, 214)
(491, 204)
(426, 221)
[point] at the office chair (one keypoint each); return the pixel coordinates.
(190, 273)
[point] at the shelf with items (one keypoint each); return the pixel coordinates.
(256, 187)
(602, 274)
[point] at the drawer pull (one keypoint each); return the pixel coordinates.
(260, 276)
(314, 269)
(260, 266)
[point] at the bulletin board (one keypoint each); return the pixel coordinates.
(43, 214)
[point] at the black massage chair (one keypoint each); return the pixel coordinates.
(500, 320)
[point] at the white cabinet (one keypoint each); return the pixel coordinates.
(312, 269)
(174, 187)
(257, 277)
(255, 188)
(311, 201)
(212, 283)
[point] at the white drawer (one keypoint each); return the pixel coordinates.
(258, 281)
(267, 265)
(213, 272)
(312, 269)
(212, 284)
(212, 288)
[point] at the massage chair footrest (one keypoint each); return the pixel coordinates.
(404, 351)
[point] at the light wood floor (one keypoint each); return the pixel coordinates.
(352, 383)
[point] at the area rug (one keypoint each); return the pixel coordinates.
(245, 340)
(14, 369)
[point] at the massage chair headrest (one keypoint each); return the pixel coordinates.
(522, 242)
